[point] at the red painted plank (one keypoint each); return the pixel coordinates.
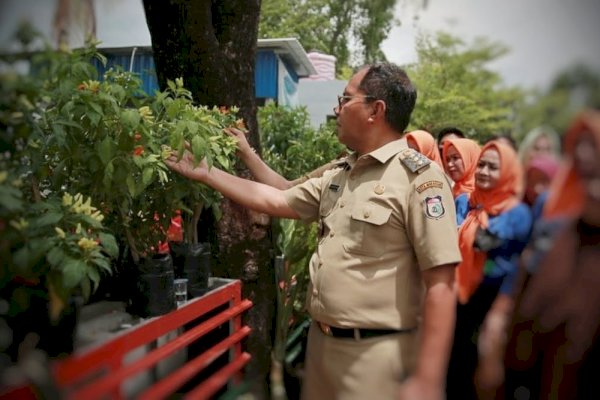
(105, 384)
(216, 381)
(79, 366)
(171, 383)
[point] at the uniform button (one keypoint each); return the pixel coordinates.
(367, 214)
(315, 292)
(320, 264)
(342, 204)
(331, 234)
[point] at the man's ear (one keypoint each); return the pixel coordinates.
(379, 108)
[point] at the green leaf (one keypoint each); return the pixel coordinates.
(176, 140)
(96, 107)
(198, 147)
(58, 134)
(90, 222)
(130, 118)
(109, 244)
(86, 289)
(130, 182)
(67, 123)
(217, 211)
(108, 174)
(105, 150)
(94, 276)
(21, 258)
(192, 127)
(50, 218)
(171, 85)
(74, 271)
(103, 263)
(147, 175)
(11, 198)
(224, 161)
(55, 256)
(94, 118)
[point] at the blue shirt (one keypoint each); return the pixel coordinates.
(538, 205)
(513, 227)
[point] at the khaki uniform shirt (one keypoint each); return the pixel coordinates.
(380, 224)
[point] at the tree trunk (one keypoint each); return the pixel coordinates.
(212, 45)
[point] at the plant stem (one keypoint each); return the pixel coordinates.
(194, 222)
(130, 240)
(35, 190)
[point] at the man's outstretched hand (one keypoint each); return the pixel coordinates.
(185, 166)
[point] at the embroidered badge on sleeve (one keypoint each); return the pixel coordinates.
(434, 208)
(429, 184)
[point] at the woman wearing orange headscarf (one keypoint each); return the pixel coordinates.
(557, 307)
(460, 158)
(494, 227)
(424, 143)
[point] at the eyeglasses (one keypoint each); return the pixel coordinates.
(342, 100)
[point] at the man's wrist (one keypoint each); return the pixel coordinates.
(247, 153)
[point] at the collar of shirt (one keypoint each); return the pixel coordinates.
(382, 154)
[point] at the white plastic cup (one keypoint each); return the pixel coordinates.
(180, 286)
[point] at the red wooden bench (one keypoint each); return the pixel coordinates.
(103, 371)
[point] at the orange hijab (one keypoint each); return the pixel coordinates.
(469, 151)
(566, 196)
(426, 145)
(483, 203)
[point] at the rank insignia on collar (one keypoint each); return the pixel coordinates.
(414, 160)
(334, 188)
(434, 208)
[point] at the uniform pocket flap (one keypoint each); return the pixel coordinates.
(372, 213)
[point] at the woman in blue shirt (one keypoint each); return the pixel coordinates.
(494, 227)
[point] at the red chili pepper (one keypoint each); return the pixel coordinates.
(138, 150)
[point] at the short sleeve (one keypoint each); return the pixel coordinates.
(431, 219)
(305, 199)
(316, 173)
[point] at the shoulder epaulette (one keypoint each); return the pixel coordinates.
(413, 160)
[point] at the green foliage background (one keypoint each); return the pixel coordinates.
(351, 30)
(293, 148)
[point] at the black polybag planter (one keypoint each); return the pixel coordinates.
(27, 312)
(193, 261)
(155, 291)
(178, 252)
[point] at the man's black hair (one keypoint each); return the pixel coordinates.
(449, 130)
(390, 83)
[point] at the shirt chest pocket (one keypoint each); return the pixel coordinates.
(370, 230)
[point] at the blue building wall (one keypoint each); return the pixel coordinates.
(266, 73)
(143, 66)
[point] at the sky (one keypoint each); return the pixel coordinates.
(544, 36)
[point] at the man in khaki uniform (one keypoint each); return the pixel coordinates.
(388, 230)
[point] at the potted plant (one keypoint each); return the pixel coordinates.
(105, 138)
(54, 245)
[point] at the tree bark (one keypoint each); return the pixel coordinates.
(212, 45)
